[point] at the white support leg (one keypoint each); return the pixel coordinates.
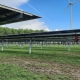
(46, 44)
(50, 43)
(7, 44)
(64, 44)
(21, 44)
(41, 44)
(68, 46)
(30, 49)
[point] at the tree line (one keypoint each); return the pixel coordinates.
(7, 31)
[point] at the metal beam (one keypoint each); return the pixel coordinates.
(68, 46)
(41, 44)
(12, 17)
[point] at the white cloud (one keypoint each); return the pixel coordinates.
(32, 24)
(47, 29)
(13, 3)
(57, 30)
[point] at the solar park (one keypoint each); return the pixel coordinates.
(53, 55)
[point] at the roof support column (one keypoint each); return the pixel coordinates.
(30, 48)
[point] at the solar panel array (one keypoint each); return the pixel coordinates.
(11, 15)
(44, 36)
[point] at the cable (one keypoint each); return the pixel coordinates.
(39, 12)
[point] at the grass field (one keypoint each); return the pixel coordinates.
(51, 63)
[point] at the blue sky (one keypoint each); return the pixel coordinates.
(53, 11)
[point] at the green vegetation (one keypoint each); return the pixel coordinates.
(51, 63)
(12, 72)
(7, 31)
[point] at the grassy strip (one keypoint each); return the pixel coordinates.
(13, 72)
(52, 53)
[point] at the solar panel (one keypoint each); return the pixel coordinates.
(52, 34)
(11, 15)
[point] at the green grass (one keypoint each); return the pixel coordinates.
(12, 72)
(57, 54)
(52, 53)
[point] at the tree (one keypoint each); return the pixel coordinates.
(20, 31)
(14, 31)
(6, 31)
(1, 31)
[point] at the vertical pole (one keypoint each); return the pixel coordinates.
(64, 44)
(7, 44)
(68, 46)
(21, 44)
(2, 45)
(41, 43)
(30, 48)
(46, 44)
(71, 16)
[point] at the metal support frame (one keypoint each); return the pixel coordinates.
(41, 44)
(30, 48)
(68, 46)
(21, 44)
(64, 43)
(17, 16)
(46, 44)
(7, 44)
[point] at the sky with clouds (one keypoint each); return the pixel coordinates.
(32, 24)
(51, 12)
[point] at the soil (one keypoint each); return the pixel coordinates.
(48, 68)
